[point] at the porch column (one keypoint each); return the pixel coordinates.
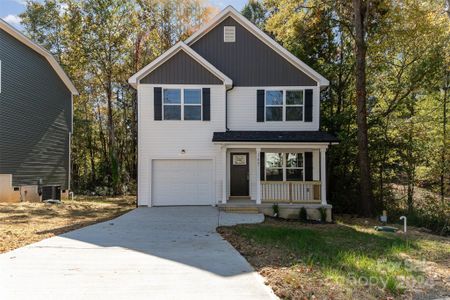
(258, 175)
(224, 174)
(323, 176)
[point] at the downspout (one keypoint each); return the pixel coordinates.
(226, 107)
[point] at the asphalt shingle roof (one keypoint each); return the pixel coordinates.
(275, 136)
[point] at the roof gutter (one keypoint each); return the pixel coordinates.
(226, 106)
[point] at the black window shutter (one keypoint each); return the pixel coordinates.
(260, 106)
(206, 104)
(308, 105)
(157, 103)
(261, 165)
(308, 166)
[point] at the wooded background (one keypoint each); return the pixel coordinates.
(387, 62)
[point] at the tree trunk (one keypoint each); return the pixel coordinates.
(444, 133)
(91, 147)
(112, 141)
(360, 15)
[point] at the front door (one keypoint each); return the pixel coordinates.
(239, 174)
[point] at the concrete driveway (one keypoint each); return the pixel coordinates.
(149, 253)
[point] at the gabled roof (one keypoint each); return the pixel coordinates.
(180, 46)
(232, 12)
(40, 50)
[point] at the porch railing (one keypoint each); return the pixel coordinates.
(290, 191)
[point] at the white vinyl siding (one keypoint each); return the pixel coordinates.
(242, 111)
(167, 140)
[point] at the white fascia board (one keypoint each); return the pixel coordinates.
(42, 51)
(180, 46)
(232, 12)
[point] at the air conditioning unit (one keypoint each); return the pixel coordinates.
(51, 192)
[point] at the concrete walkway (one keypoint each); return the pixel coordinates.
(149, 253)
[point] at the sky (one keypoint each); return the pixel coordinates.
(10, 9)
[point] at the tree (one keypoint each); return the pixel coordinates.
(360, 8)
(255, 12)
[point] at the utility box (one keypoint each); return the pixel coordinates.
(51, 192)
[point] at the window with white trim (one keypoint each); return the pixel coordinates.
(182, 104)
(284, 105)
(274, 105)
(294, 105)
(284, 167)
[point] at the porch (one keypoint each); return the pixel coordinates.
(265, 174)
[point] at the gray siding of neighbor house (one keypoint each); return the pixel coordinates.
(181, 69)
(248, 61)
(35, 117)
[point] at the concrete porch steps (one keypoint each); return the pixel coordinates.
(240, 209)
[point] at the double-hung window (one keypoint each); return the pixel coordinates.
(274, 105)
(284, 167)
(182, 104)
(172, 104)
(192, 104)
(294, 105)
(274, 166)
(284, 105)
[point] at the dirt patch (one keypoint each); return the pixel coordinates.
(25, 223)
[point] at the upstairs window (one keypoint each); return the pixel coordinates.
(294, 105)
(182, 104)
(274, 105)
(285, 105)
(192, 104)
(172, 104)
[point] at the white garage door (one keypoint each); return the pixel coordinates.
(182, 182)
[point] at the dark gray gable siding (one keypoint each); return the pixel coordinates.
(35, 117)
(181, 69)
(248, 61)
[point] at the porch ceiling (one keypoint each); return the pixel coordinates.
(275, 136)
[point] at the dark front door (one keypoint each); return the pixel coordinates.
(239, 174)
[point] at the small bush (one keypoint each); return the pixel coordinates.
(303, 215)
(276, 210)
(323, 214)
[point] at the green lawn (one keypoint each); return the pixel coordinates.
(348, 256)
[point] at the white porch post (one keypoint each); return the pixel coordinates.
(323, 176)
(224, 174)
(258, 175)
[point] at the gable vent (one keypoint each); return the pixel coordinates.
(229, 34)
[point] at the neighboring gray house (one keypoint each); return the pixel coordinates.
(35, 118)
(231, 118)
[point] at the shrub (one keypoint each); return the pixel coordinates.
(323, 214)
(303, 215)
(276, 210)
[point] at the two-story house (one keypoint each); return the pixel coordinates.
(35, 120)
(230, 117)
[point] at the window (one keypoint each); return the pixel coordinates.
(294, 166)
(294, 105)
(192, 104)
(284, 167)
(172, 104)
(284, 105)
(274, 166)
(182, 104)
(274, 105)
